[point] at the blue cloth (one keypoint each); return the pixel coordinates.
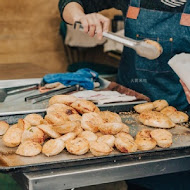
(155, 78)
(84, 77)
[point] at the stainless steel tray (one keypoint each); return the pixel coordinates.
(15, 103)
(10, 162)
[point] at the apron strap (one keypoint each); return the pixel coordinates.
(134, 9)
(185, 17)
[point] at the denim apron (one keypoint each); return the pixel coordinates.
(155, 78)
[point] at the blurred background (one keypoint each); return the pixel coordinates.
(32, 44)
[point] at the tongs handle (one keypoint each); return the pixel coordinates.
(19, 89)
(128, 42)
(43, 94)
(41, 97)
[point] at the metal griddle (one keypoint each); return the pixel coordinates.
(10, 162)
(89, 171)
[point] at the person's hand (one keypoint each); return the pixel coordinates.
(95, 23)
(187, 91)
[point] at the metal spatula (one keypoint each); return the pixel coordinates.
(144, 48)
(4, 92)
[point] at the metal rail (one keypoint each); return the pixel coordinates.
(73, 177)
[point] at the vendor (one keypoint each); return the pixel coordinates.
(167, 22)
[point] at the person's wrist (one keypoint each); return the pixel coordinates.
(72, 12)
(78, 17)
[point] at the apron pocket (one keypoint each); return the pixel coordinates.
(159, 65)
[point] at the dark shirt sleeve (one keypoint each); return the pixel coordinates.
(91, 6)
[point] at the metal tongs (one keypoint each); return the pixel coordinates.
(145, 48)
(44, 96)
(4, 92)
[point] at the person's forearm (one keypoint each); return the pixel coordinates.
(92, 23)
(72, 12)
(75, 8)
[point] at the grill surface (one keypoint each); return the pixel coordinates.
(10, 162)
